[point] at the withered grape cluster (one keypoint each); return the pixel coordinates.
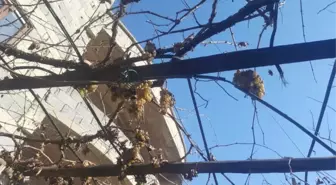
(250, 81)
(167, 100)
(143, 95)
(137, 95)
(143, 92)
(141, 136)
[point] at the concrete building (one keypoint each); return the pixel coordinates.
(21, 26)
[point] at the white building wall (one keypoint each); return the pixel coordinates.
(63, 103)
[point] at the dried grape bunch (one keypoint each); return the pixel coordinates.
(137, 108)
(143, 95)
(167, 100)
(143, 91)
(141, 136)
(250, 81)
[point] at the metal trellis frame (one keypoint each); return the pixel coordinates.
(200, 125)
(323, 108)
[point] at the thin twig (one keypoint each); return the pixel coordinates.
(200, 125)
(40, 151)
(322, 102)
(199, 95)
(115, 113)
(304, 37)
(274, 15)
(330, 4)
(225, 91)
(252, 128)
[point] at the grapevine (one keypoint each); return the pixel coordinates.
(87, 89)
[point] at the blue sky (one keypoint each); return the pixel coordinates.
(227, 120)
(8, 31)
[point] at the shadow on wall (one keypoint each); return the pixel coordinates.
(54, 152)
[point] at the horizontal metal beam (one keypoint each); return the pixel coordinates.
(223, 62)
(241, 59)
(185, 68)
(246, 166)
